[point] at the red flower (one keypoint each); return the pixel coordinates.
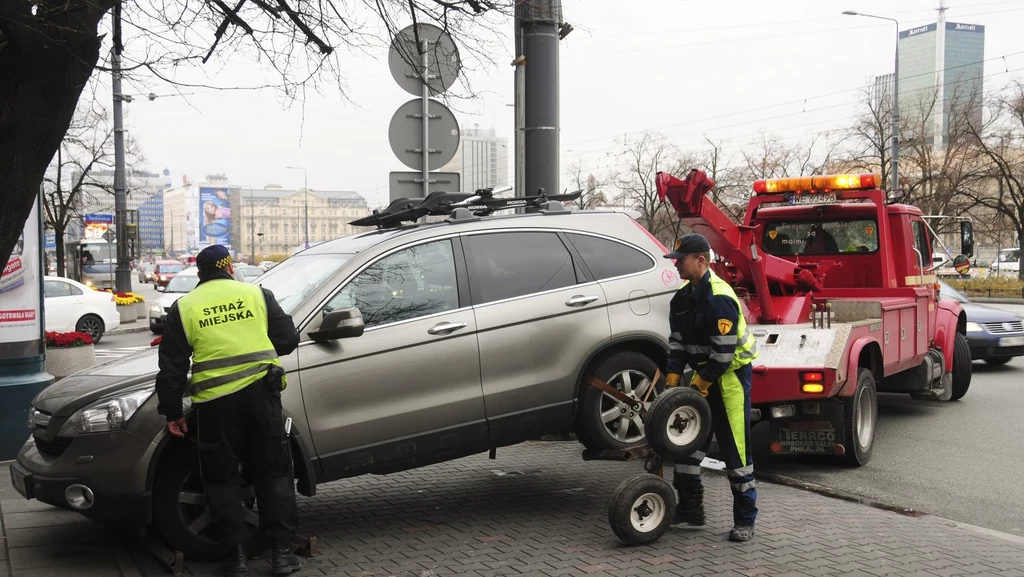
(67, 340)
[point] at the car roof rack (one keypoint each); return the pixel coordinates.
(460, 205)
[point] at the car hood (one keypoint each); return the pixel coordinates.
(168, 299)
(977, 313)
(63, 398)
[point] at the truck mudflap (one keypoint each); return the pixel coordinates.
(817, 430)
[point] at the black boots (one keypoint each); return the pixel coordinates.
(741, 533)
(690, 510)
(283, 560)
(235, 563)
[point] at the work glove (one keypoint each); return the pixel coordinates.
(672, 380)
(700, 384)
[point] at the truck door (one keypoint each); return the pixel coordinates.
(926, 310)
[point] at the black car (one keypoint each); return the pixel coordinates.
(995, 335)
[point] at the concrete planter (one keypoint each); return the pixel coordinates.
(62, 362)
(127, 312)
(141, 311)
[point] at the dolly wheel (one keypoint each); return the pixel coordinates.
(642, 509)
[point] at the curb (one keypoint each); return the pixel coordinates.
(860, 499)
(119, 331)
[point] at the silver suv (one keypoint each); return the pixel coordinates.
(420, 344)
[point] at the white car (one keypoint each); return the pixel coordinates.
(72, 306)
(182, 283)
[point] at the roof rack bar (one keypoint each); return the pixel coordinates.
(440, 203)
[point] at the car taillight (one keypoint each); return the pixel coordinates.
(812, 382)
(112, 299)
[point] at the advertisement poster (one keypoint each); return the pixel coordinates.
(20, 286)
(215, 215)
(96, 225)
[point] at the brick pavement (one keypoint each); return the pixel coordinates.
(538, 509)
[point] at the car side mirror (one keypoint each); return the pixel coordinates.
(967, 238)
(339, 324)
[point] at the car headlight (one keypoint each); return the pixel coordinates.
(156, 308)
(106, 414)
(88, 283)
(975, 328)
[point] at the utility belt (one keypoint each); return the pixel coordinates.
(274, 379)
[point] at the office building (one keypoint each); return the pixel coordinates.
(481, 160)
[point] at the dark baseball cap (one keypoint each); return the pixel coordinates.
(213, 256)
(692, 243)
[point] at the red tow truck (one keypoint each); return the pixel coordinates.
(839, 291)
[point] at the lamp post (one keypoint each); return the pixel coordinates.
(895, 100)
(260, 234)
(305, 200)
(252, 224)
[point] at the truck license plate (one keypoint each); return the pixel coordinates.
(828, 198)
(18, 480)
(1011, 341)
(807, 438)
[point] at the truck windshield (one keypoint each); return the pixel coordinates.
(805, 237)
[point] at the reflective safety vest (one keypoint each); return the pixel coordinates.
(746, 345)
(226, 323)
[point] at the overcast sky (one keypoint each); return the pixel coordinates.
(728, 69)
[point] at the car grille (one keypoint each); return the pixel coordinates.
(1003, 328)
(55, 448)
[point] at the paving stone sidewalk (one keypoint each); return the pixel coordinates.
(538, 509)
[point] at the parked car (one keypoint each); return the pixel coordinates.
(267, 265)
(146, 273)
(995, 335)
(72, 306)
(482, 331)
(182, 284)
(249, 273)
(164, 271)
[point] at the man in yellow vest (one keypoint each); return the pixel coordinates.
(710, 335)
(233, 332)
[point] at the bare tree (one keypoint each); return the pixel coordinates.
(50, 48)
(1000, 141)
(645, 156)
(594, 195)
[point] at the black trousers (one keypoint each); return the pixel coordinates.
(247, 427)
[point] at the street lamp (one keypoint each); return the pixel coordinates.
(895, 100)
(305, 199)
(252, 224)
(260, 234)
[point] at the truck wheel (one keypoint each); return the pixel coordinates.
(860, 413)
(642, 509)
(962, 369)
(603, 422)
(678, 423)
(180, 510)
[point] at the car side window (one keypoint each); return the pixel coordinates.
(506, 265)
(410, 283)
(922, 242)
(74, 291)
(55, 288)
(607, 258)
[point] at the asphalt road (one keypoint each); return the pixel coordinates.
(960, 460)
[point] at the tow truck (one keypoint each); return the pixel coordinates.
(839, 291)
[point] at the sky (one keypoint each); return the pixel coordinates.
(727, 70)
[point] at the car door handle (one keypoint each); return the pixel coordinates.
(580, 301)
(445, 328)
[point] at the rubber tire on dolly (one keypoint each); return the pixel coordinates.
(852, 408)
(673, 403)
(658, 500)
(962, 367)
(590, 429)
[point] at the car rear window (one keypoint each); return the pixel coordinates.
(607, 258)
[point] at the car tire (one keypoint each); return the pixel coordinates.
(626, 369)
(179, 505)
(962, 369)
(642, 509)
(860, 417)
(998, 361)
(91, 325)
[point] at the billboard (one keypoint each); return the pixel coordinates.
(20, 286)
(96, 225)
(215, 215)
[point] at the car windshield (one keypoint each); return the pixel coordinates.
(171, 268)
(295, 279)
(182, 283)
(820, 237)
(948, 292)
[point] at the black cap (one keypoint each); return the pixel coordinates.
(692, 243)
(214, 256)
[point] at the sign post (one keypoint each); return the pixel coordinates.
(22, 348)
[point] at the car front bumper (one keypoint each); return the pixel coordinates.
(986, 345)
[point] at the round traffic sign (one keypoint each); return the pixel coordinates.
(405, 134)
(406, 59)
